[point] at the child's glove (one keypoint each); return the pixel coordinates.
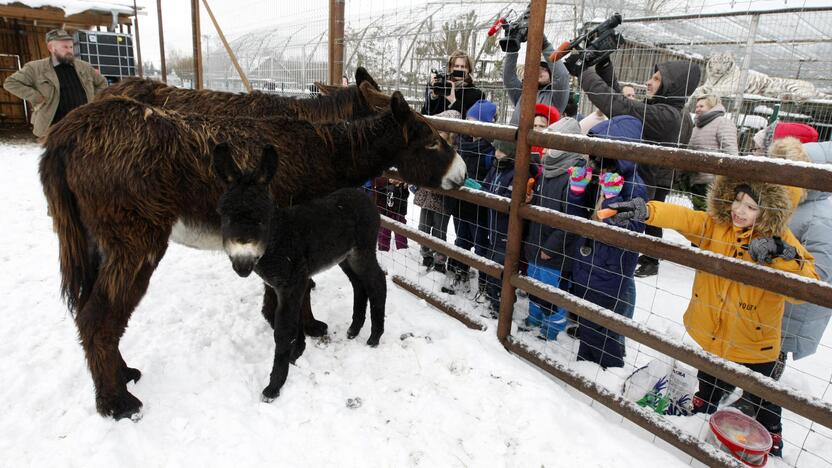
(632, 210)
(611, 184)
(579, 178)
(529, 189)
(766, 249)
(471, 183)
(413, 188)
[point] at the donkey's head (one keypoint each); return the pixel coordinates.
(246, 208)
(426, 159)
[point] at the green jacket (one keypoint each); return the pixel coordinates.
(38, 83)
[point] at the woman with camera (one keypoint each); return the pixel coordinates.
(453, 90)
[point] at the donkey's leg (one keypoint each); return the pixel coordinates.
(359, 300)
(374, 283)
(287, 324)
(269, 304)
(311, 326)
(120, 285)
(128, 373)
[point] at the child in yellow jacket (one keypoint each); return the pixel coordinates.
(741, 323)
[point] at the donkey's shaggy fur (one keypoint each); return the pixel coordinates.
(286, 246)
(119, 174)
(335, 104)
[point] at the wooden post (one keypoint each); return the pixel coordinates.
(197, 40)
(521, 166)
(227, 47)
(161, 41)
(336, 41)
(140, 68)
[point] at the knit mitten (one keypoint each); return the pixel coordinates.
(611, 184)
(579, 178)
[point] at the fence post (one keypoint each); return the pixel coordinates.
(336, 41)
(161, 42)
(521, 166)
(197, 41)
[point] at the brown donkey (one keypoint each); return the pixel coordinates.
(337, 103)
(121, 176)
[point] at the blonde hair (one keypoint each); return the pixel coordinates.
(469, 77)
(710, 100)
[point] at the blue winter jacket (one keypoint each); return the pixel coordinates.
(599, 269)
(498, 182)
(803, 324)
(478, 156)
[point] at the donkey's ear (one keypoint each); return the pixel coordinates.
(401, 110)
(268, 165)
(224, 165)
(362, 75)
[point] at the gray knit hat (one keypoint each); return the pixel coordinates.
(506, 146)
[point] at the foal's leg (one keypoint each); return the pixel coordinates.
(372, 278)
(311, 326)
(359, 300)
(287, 325)
(120, 285)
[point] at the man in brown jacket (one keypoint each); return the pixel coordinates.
(57, 84)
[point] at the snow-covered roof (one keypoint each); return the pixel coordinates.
(72, 7)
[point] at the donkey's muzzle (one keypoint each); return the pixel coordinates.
(243, 255)
(243, 265)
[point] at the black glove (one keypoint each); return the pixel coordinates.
(632, 210)
(766, 249)
(574, 63)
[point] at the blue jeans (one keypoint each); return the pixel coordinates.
(552, 319)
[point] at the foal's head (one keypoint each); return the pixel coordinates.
(246, 208)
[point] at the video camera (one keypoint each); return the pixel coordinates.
(516, 28)
(595, 45)
(442, 86)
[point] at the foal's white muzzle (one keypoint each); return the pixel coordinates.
(244, 256)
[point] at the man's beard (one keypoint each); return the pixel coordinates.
(67, 59)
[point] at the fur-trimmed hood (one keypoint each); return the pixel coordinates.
(775, 201)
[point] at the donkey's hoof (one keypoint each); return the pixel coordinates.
(316, 328)
(129, 373)
(125, 406)
(352, 332)
(373, 341)
(269, 394)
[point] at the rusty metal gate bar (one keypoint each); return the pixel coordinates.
(437, 302)
(528, 100)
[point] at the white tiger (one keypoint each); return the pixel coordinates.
(723, 79)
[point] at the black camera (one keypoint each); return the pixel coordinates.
(516, 28)
(593, 46)
(442, 85)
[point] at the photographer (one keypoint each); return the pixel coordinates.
(665, 123)
(453, 90)
(552, 82)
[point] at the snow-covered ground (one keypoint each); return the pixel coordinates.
(434, 393)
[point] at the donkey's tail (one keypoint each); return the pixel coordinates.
(77, 268)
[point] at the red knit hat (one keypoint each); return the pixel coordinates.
(801, 131)
(551, 114)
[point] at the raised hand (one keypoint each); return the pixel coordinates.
(579, 178)
(611, 184)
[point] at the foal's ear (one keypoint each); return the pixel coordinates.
(224, 165)
(362, 75)
(401, 110)
(268, 165)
